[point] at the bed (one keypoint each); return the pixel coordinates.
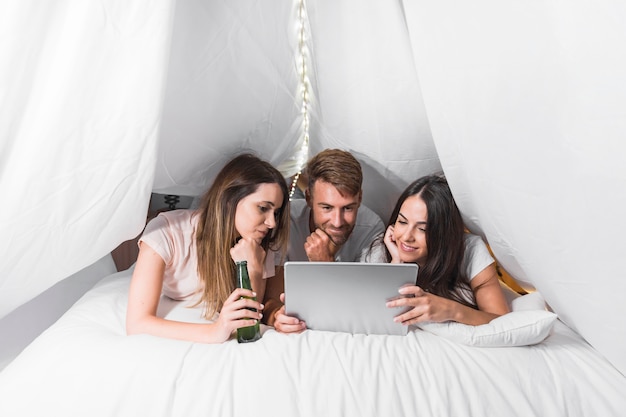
(85, 365)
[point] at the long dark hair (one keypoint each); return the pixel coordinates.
(443, 273)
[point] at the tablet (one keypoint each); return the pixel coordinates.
(347, 296)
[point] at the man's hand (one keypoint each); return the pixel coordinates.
(319, 247)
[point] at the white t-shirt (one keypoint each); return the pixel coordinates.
(477, 256)
(368, 226)
(171, 235)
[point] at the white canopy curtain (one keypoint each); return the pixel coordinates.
(103, 103)
(526, 104)
(81, 87)
(232, 84)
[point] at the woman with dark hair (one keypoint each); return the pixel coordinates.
(191, 254)
(457, 279)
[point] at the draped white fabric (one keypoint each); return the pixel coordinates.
(526, 104)
(232, 85)
(104, 102)
(80, 92)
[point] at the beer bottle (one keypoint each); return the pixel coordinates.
(250, 333)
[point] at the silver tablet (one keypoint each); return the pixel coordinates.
(347, 296)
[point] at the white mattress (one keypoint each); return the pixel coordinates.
(20, 327)
(85, 365)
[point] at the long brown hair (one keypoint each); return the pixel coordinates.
(443, 273)
(216, 234)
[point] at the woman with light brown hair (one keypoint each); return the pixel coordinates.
(191, 254)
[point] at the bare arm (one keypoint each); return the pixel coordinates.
(143, 300)
(429, 307)
(488, 292)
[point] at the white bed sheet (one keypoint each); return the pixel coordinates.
(85, 365)
(20, 327)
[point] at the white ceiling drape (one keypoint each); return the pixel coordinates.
(526, 102)
(232, 84)
(519, 102)
(81, 88)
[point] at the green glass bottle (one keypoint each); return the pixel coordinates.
(250, 333)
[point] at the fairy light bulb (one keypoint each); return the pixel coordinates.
(301, 62)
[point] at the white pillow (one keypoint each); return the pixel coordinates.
(532, 301)
(529, 323)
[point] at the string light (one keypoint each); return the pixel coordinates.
(304, 93)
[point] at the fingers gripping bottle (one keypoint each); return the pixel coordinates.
(250, 333)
